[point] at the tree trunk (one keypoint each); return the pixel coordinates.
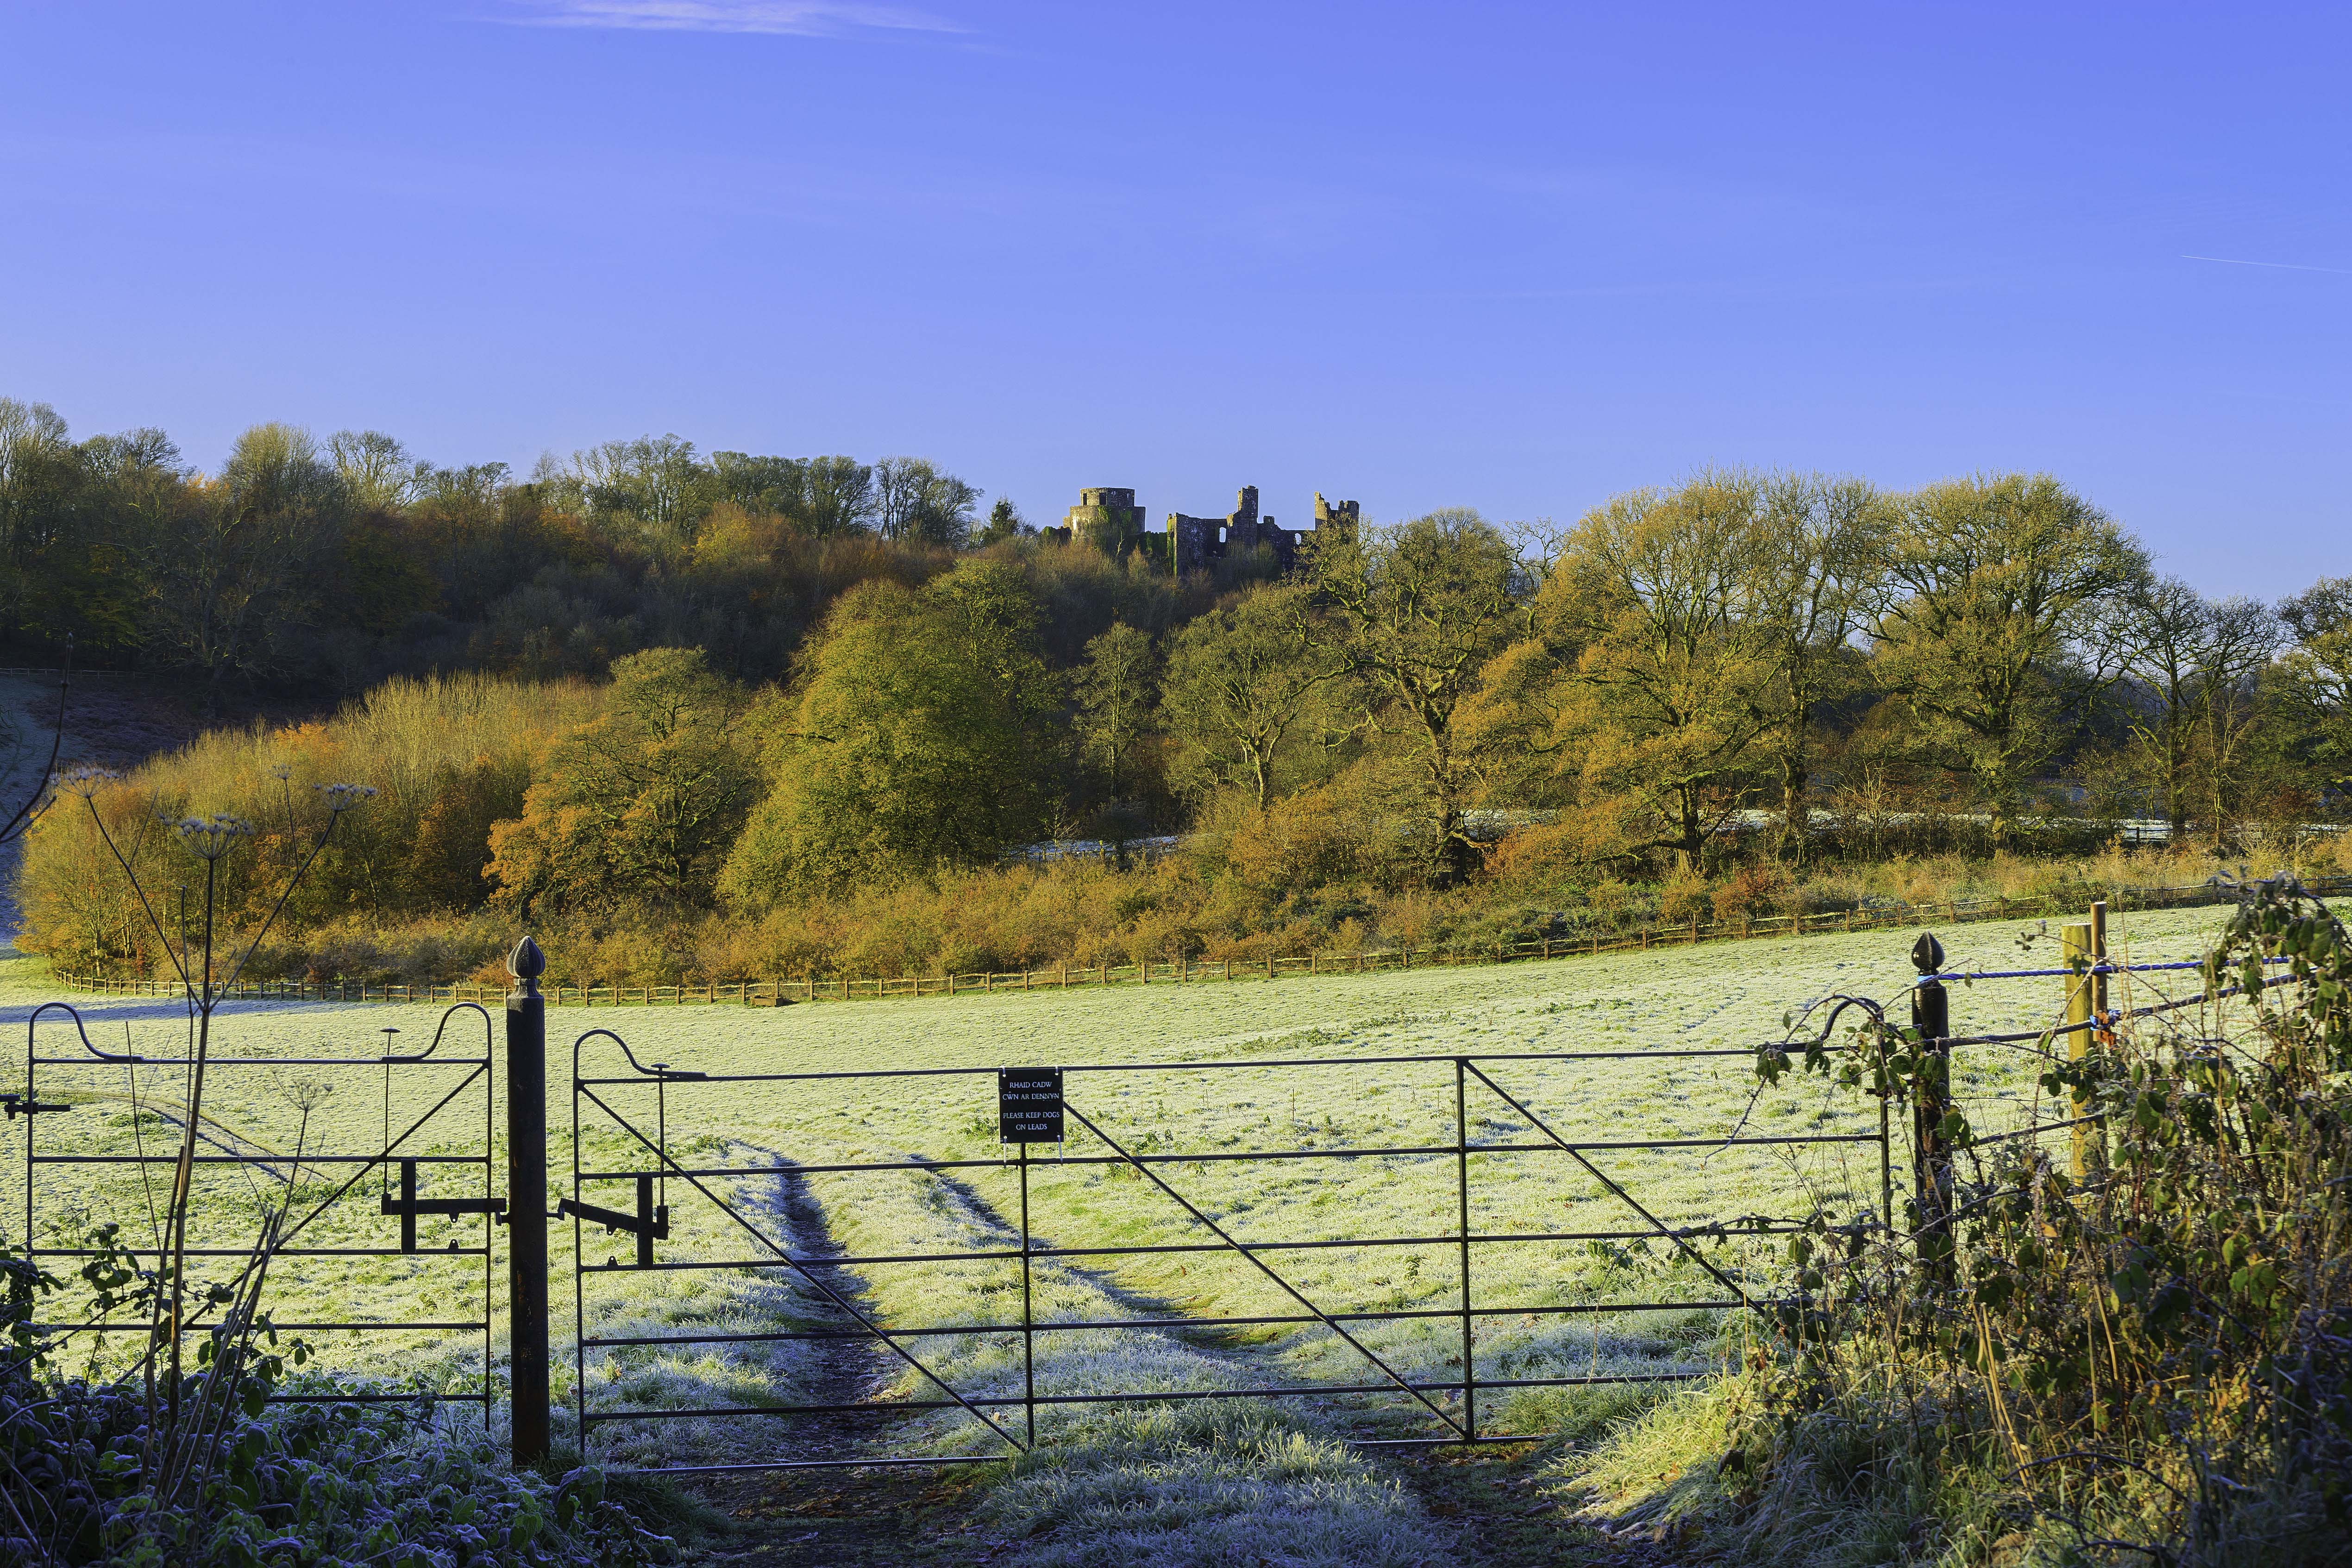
(2175, 763)
(1693, 840)
(1796, 818)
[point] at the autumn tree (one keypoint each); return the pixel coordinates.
(1117, 688)
(2003, 625)
(1666, 699)
(640, 803)
(920, 736)
(1814, 577)
(1242, 687)
(1419, 610)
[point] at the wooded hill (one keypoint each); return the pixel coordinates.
(663, 684)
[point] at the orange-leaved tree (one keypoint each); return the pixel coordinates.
(640, 804)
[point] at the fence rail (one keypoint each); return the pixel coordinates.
(777, 992)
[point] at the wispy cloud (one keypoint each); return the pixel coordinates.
(2281, 266)
(806, 18)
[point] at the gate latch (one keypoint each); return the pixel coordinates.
(648, 1225)
(25, 1105)
(408, 1205)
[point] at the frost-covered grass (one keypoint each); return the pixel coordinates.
(1731, 995)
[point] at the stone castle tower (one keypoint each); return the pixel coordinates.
(1109, 519)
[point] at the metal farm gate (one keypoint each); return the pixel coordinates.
(675, 1213)
(90, 1154)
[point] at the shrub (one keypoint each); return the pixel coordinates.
(319, 1481)
(444, 755)
(1686, 898)
(2155, 1355)
(1758, 888)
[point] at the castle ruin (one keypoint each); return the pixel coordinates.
(1109, 519)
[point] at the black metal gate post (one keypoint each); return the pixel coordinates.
(1028, 1321)
(1931, 1153)
(1462, 1194)
(526, 1202)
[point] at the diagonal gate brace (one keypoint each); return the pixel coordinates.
(1358, 1345)
(784, 1256)
(1656, 1224)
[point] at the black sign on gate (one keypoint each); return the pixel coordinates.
(1029, 1105)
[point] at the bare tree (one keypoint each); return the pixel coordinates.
(231, 562)
(2171, 630)
(914, 500)
(377, 472)
(2198, 661)
(2244, 639)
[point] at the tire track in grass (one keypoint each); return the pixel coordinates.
(746, 1373)
(1194, 1483)
(847, 1370)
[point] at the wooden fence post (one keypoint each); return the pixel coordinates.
(2086, 947)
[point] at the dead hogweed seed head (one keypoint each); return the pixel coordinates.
(210, 838)
(343, 797)
(86, 781)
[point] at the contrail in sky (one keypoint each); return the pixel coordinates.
(2282, 266)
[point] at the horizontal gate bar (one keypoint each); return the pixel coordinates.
(1400, 1315)
(603, 1417)
(308, 1159)
(1205, 1159)
(212, 1062)
(1001, 1254)
(1197, 1066)
(286, 1328)
(279, 1252)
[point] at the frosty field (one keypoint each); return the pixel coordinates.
(1725, 995)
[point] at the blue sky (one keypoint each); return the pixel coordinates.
(1512, 257)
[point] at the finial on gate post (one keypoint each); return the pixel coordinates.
(527, 963)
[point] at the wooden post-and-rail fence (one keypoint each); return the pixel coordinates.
(842, 988)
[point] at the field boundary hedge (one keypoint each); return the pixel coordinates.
(777, 993)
